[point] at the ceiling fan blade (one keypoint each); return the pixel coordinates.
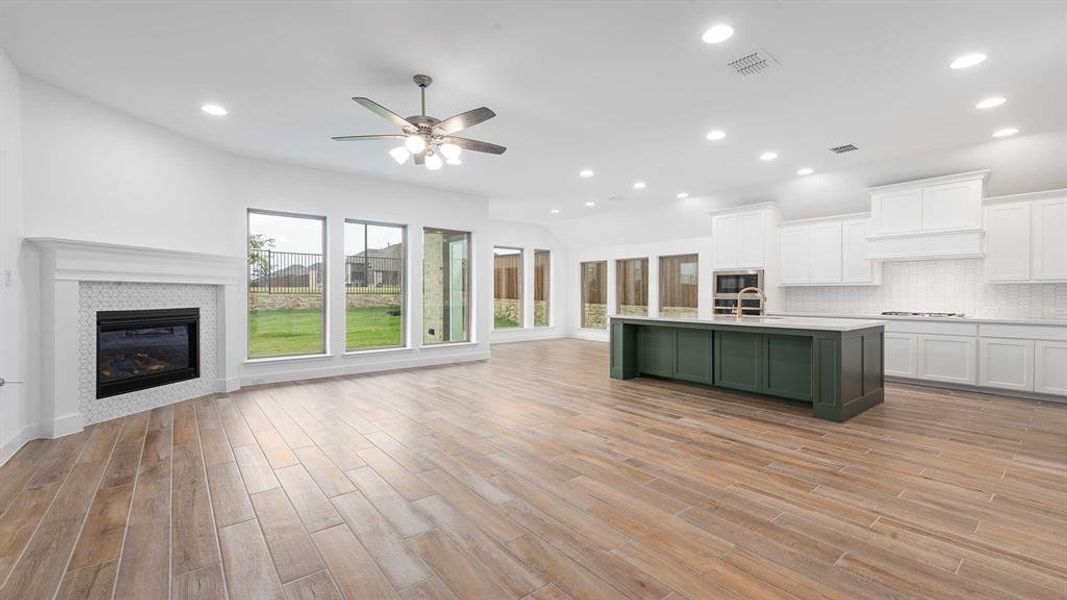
(419, 158)
(356, 138)
(476, 145)
(383, 112)
(463, 120)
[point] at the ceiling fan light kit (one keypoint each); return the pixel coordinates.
(427, 139)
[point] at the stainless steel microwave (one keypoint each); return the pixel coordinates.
(728, 283)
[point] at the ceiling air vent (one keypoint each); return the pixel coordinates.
(843, 148)
(753, 62)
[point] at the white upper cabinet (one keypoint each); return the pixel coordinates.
(726, 238)
(743, 238)
(1026, 239)
(1008, 242)
(855, 266)
(897, 211)
(940, 217)
(1049, 239)
(826, 252)
(956, 205)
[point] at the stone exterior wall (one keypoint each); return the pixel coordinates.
(541, 315)
(262, 301)
(596, 316)
(433, 278)
(677, 312)
(634, 310)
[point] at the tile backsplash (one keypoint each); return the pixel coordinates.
(935, 286)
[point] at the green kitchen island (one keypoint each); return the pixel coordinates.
(834, 364)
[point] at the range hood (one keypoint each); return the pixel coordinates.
(939, 217)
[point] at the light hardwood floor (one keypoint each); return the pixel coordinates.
(533, 475)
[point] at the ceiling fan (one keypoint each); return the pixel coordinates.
(426, 138)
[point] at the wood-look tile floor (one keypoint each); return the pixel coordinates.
(533, 475)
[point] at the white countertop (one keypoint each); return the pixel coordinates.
(998, 320)
(773, 322)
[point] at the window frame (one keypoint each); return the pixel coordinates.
(469, 309)
(548, 290)
(325, 333)
(522, 288)
(662, 288)
(581, 293)
(619, 262)
(405, 339)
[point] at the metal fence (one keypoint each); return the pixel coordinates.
(274, 272)
(373, 274)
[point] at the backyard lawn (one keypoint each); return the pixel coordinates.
(295, 331)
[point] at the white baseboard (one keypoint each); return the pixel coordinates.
(230, 384)
(524, 335)
(65, 425)
(351, 368)
(595, 335)
(978, 388)
(29, 432)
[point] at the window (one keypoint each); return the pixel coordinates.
(374, 285)
(678, 286)
(631, 286)
(445, 286)
(286, 291)
(542, 277)
(507, 288)
(595, 295)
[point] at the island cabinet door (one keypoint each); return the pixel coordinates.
(787, 366)
(737, 358)
(655, 351)
(693, 352)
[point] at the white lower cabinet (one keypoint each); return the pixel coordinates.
(1050, 367)
(900, 359)
(1007, 363)
(947, 358)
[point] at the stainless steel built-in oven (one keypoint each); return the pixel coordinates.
(729, 283)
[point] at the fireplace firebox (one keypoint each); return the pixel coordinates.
(139, 349)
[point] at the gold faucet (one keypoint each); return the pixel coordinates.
(762, 300)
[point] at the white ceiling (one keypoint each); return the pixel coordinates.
(628, 90)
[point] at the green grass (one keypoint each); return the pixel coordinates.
(500, 322)
(295, 331)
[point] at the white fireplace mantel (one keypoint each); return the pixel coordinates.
(65, 263)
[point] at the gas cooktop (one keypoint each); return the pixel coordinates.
(904, 313)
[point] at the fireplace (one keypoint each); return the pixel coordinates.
(139, 349)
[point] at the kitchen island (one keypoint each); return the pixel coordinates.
(834, 364)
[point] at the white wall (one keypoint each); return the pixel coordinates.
(530, 237)
(18, 269)
(701, 246)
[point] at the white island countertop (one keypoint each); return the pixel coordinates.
(771, 322)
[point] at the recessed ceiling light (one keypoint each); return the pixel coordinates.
(805, 171)
(640, 185)
(718, 33)
(768, 156)
(590, 203)
(968, 60)
(715, 134)
(214, 110)
(554, 211)
(993, 102)
(586, 173)
(682, 195)
(1006, 132)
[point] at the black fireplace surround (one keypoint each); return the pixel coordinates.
(139, 349)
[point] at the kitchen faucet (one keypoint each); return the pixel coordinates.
(762, 300)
